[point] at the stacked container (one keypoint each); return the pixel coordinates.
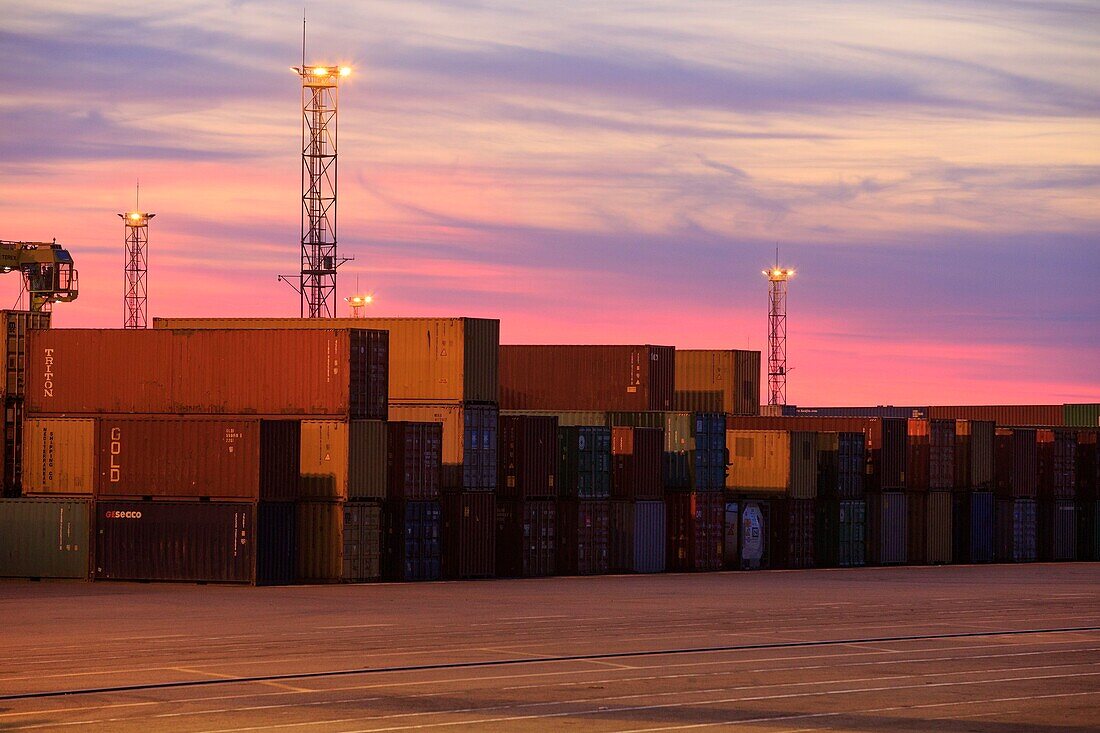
(1056, 458)
(726, 381)
(1087, 477)
(930, 478)
(16, 327)
(841, 529)
(526, 510)
(1016, 486)
(412, 517)
(584, 491)
(972, 515)
(638, 512)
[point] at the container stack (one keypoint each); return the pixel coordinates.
(527, 491)
(638, 511)
(973, 495)
(412, 517)
(1087, 475)
(1056, 458)
(16, 325)
(930, 477)
(726, 381)
(1016, 486)
(888, 503)
(584, 507)
(840, 534)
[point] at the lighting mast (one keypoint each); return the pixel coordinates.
(136, 266)
(778, 277)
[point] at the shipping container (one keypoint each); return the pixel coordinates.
(469, 534)
(361, 560)
(583, 536)
(941, 454)
(1057, 530)
(342, 459)
(974, 453)
(433, 360)
(885, 442)
(637, 536)
(973, 527)
(528, 457)
(293, 373)
(904, 413)
(584, 463)
(1016, 463)
(17, 324)
(1056, 458)
(695, 446)
(320, 546)
(754, 533)
(841, 465)
(59, 456)
(887, 528)
(695, 527)
(411, 544)
(192, 541)
(918, 455)
(938, 528)
(1015, 530)
(1003, 415)
(1081, 415)
(45, 538)
(154, 457)
(1087, 470)
(469, 441)
(526, 538)
(726, 381)
(773, 461)
(591, 418)
(792, 536)
(11, 431)
(414, 464)
(564, 377)
(637, 460)
(1088, 530)
(841, 533)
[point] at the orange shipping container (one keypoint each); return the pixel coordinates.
(343, 459)
(1003, 415)
(711, 380)
(58, 456)
(431, 359)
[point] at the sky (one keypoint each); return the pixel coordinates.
(611, 172)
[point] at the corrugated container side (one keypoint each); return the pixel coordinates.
(11, 440)
(695, 530)
(938, 528)
(528, 457)
(45, 538)
(941, 458)
(1057, 530)
(469, 534)
(469, 442)
(748, 383)
(793, 533)
(411, 545)
(320, 541)
(276, 542)
(584, 465)
(637, 456)
(1015, 525)
(413, 460)
(584, 527)
(280, 459)
(1056, 457)
(973, 527)
(570, 418)
(1088, 530)
(324, 460)
(210, 542)
(887, 528)
(337, 373)
(1006, 415)
(480, 363)
(1016, 453)
(803, 474)
(705, 380)
(918, 455)
(16, 326)
(649, 536)
(982, 454)
(526, 539)
(1087, 470)
(759, 460)
(368, 461)
(59, 456)
(1081, 415)
(904, 413)
(916, 503)
(361, 559)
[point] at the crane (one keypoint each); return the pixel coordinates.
(47, 270)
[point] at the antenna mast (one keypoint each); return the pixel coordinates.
(778, 277)
(136, 265)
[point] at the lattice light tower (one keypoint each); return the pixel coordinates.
(778, 277)
(317, 283)
(136, 268)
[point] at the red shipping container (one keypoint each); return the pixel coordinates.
(191, 458)
(1016, 465)
(605, 378)
(527, 451)
(469, 535)
(526, 538)
(414, 460)
(637, 456)
(584, 527)
(305, 372)
(916, 478)
(793, 533)
(1057, 463)
(1003, 415)
(696, 525)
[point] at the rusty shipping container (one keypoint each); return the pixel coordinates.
(526, 538)
(792, 533)
(469, 441)
(361, 559)
(695, 527)
(887, 528)
(292, 373)
(584, 464)
(583, 532)
(772, 462)
(433, 360)
(45, 537)
(637, 536)
(1002, 415)
(469, 535)
(528, 456)
(17, 324)
(972, 524)
(343, 459)
(840, 465)
(1081, 415)
(1016, 463)
(840, 535)
(242, 459)
(637, 456)
(1056, 458)
(411, 544)
(586, 377)
(1015, 524)
(59, 456)
(206, 542)
(726, 381)
(1057, 530)
(414, 464)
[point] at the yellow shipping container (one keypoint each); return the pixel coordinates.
(431, 359)
(58, 456)
(717, 380)
(760, 460)
(324, 459)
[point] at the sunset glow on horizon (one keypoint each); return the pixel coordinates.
(602, 173)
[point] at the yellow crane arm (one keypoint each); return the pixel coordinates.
(47, 270)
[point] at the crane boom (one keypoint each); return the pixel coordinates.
(47, 270)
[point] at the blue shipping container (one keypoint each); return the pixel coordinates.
(411, 540)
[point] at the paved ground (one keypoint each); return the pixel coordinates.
(994, 648)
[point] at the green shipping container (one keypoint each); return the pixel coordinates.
(1081, 416)
(44, 538)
